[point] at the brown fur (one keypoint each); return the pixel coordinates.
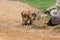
(26, 15)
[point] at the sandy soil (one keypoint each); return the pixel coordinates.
(10, 24)
(28, 34)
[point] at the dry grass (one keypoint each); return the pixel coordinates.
(10, 13)
(10, 24)
(41, 21)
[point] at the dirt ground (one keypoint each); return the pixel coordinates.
(11, 28)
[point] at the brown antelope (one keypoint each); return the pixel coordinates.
(27, 17)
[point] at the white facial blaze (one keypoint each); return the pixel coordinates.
(28, 21)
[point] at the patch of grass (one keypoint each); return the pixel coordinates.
(40, 4)
(56, 27)
(59, 8)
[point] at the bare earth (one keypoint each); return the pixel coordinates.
(11, 28)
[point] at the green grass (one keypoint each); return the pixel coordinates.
(56, 27)
(40, 4)
(59, 9)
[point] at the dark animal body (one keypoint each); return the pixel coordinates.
(54, 20)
